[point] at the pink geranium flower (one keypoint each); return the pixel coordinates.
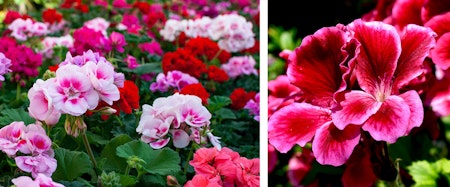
(40, 164)
(72, 92)
(387, 62)
(41, 104)
(11, 138)
(41, 180)
(202, 180)
(298, 123)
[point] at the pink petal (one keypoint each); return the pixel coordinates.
(315, 68)
(390, 122)
(380, 50)
(332, 146)
(407, 12)
(431, 8)
(412, 98)
(439, 24)
(180, 138)
(295, 124)
(441, 54)
(416, 43)
(159, 143)
(355, 108)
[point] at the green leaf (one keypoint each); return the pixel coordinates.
(442, 166)
(8, 116)
(217, 102)
(153, 180)
(127, 180)
(225, 113)
(113, 162)
(423, 173)
(71, 164)
(162, 161)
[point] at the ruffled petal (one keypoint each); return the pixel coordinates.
(407, 12)
(412, 98)
(391, 120)
(439, 24)
(431, 8)
(416, 44)
(315, 68)
(355, 108)
(332, 146)
(379, 52)
(441, 54)
(295, 124)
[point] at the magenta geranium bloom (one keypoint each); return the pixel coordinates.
(387, 61)
(318, 68)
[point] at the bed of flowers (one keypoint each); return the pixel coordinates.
(364, 103)
(129, 93)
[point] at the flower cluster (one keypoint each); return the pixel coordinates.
(233, 32)
(86, 80)
(223, 168)
(181, 116)
(34, 146)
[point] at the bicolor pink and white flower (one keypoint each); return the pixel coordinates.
(5, 64)
(39, 181)
(41, 103)
(183, 116)
(11, 138)
(39, 164)
(240, 65)
(22, 29)
(174, 79)
(72, 91)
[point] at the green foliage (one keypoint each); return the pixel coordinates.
(162, 162)
(71, 164)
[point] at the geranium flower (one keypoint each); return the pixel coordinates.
(196, 89)
(72, 92)
(41, 180)
(380, 108)
(39, 164)
(11, 138)
(41, 103)
(298, 123)
(239, 97)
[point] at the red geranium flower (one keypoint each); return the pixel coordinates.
(217, 74)
(129, 100)
(206, 48)
(239, 97)
(197, 90)
(51, 16)
(182, 60)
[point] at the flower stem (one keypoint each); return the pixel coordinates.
(191, 152)
(88, 148)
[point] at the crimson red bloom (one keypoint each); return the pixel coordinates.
(197, 90)
(182, 60)
(129, 100)
(206, 48)
(144, 7)
(239, 97)
(155, 17)
(217, 74)
(77, 4)
(53, 68)
(51, 16)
